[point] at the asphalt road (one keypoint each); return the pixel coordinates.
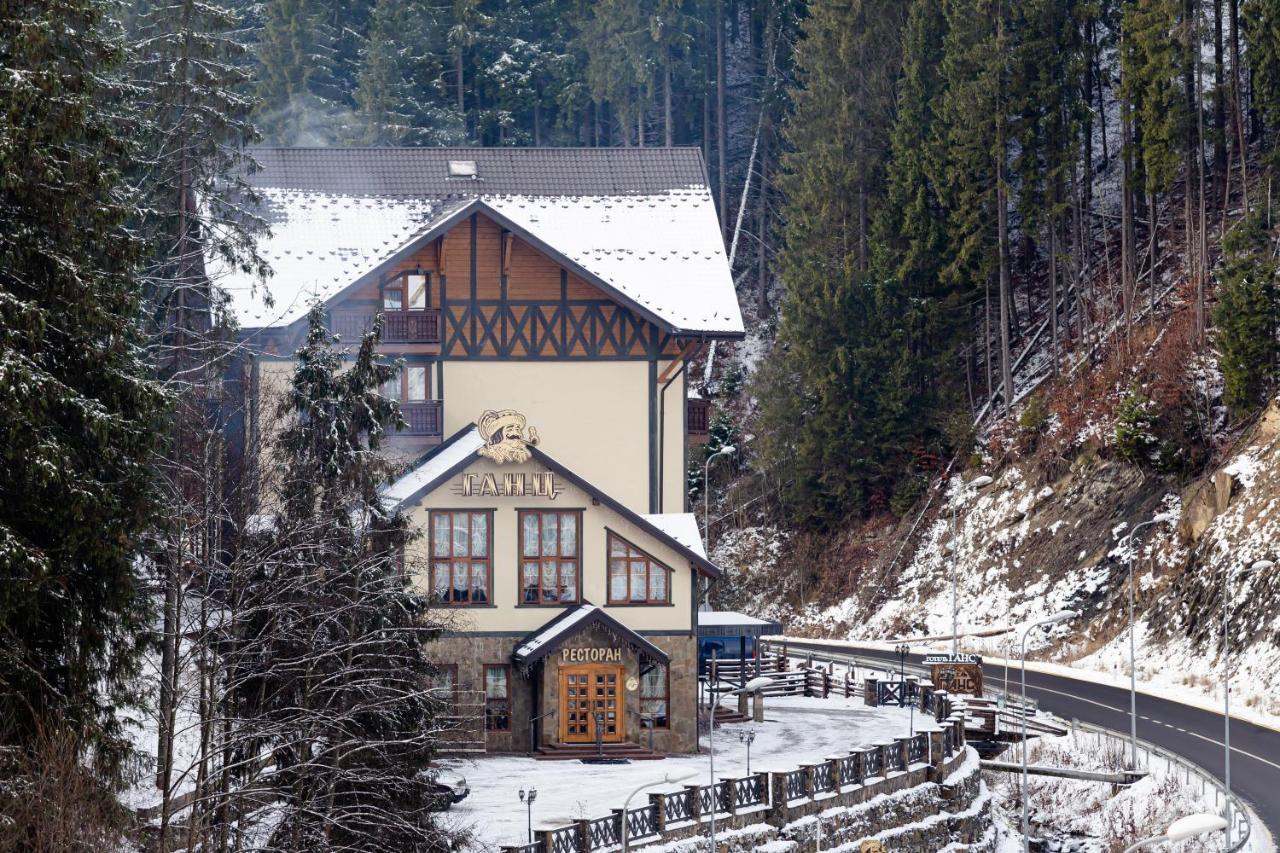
(1189, 731)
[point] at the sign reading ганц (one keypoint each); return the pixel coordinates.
(538, 484)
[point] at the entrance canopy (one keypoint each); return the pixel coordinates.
(570, 623)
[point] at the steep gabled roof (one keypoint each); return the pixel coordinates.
(572, 622)
(637, 223)
(453, 456)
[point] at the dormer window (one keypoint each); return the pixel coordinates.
(463, 169)
(406, 291)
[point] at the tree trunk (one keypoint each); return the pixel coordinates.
(457, 71)
(1233, 10)
(1002, 226)
(1151, 253)
(722, 134)
(1053, 296)
(762, 238)
(1219, 99)
(1127, 235)
(668, 134)
(986, 332)
(1086, 150)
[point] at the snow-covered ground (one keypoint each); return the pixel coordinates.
(796, 730)
(999, 597)
(1087, 817)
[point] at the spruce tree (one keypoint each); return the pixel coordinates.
(1246, 315)
(401, 97)
(296, 82)
(326, 647)
(77, 418)
(1260, 21)
(832, 408)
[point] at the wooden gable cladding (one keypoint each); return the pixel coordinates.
(498, 297)
(501, 298)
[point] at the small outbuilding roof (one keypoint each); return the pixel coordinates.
(546, 639)
(727, 623)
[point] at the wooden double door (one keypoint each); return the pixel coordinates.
(592, 695)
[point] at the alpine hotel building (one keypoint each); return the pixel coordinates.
(545, 304)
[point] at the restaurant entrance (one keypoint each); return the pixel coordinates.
(588, 691)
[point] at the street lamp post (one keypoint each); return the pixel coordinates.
(1228, 574)
(1183, 828)
(1055, 619)
(903, 651)
(1133, 655)
(626, 804)
(727, 450)
(527, 797)
(748, 737)
(965, 489)
(753, 686)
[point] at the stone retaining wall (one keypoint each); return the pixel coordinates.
(924, 810)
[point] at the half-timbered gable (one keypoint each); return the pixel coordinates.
(571, 283)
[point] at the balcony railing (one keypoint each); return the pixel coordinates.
(413, 326)
(424, 418)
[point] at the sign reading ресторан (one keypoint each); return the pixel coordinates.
(537, 484)
(591, 655)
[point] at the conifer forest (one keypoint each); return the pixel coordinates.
(958, 230)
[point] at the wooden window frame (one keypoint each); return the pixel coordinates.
(507, 713)
(521, 559)
(402, 379)
(666, 696)
(471, 560)
(400, 282)
(652, 563)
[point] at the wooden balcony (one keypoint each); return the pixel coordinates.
(425, 419)
(419, 327)
(698, 420)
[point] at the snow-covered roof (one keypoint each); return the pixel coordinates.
(553, 630)
(664, 250)
(729, 617)
(639, 223)
(728, 623)
(680, 526)
(569, 622)
(319, 244)
(434, 466)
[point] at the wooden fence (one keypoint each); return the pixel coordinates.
(764, 795)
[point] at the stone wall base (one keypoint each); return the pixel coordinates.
(920, 816)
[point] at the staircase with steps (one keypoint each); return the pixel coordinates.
(729, 715)
(578, 751)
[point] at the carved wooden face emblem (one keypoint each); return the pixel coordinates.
(505, 437)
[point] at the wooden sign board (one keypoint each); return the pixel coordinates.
(956, 673)
(871, 846)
